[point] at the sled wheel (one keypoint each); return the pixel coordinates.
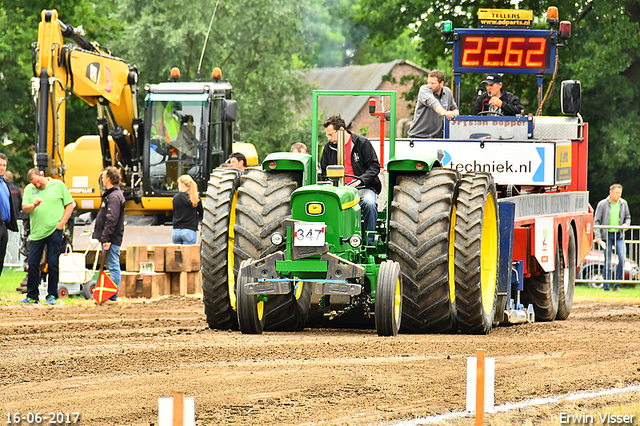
(251, 315)
(388, 306)
(476, 253)
(421, 219)
(217, 283)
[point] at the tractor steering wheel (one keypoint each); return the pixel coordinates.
(361, 186)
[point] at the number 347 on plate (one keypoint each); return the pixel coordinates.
(309, 234)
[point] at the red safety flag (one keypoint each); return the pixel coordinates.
(105, 287)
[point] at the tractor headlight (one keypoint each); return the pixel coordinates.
(355, 241)
(276, 239)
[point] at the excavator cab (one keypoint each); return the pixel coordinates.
(175, 143)
(190, 131)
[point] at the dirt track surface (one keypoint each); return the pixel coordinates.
(111, 364)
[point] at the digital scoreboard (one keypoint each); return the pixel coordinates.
(513, 51)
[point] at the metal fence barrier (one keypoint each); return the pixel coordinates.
(592, 269)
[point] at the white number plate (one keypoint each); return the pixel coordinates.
(309, 234)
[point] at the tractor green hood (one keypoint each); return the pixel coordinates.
(345, 196)
(337, 207)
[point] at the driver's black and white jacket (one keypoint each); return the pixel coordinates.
(511, 104)
(364, 161)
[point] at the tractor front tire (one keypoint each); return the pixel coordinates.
(420, 240)
(251, 315)
(388, 306)
(262, 207)
(214, 249)
(477, 243)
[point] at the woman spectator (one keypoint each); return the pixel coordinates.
(187, 212)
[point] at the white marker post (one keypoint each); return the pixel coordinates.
(480, 385)
(177, 410)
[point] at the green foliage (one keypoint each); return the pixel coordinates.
(255, 44)
(324, 33)
(258, 46)
(335, 38)
(603, 53)
(371, 51)
(19, 21)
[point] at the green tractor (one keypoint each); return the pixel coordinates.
(281, 237)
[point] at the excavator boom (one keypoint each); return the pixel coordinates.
(95, 76)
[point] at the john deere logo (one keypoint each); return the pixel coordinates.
(315, 209)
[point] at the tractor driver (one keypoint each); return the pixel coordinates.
(361, 160)
(497, 101)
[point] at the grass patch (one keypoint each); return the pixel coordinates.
(10, 281)
(626, 294)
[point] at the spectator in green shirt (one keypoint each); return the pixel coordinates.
(49, 205)
(612, 211)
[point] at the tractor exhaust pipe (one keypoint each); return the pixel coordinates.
(342, 140)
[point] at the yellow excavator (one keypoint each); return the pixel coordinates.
(187, 126)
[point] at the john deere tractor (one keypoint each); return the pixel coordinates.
(280, 239)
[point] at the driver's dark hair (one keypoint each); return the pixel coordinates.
(239, 157)
(336, 121)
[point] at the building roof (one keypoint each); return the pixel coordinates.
(353, 77)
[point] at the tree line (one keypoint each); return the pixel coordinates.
(264, 47)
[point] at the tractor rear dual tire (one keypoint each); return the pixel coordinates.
(263, 205)
(477, 246)
(420, 232)
(214, 248)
